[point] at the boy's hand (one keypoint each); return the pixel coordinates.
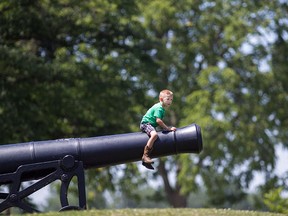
(173, 129)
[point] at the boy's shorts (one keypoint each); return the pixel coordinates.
(147, 128)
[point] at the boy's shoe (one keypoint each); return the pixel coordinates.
(146, 155)
(148, 165)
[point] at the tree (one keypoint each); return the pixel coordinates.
(68, 70)
(275, 201)
(205, 52)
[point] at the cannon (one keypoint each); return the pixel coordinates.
(62, 159)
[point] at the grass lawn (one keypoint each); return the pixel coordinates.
(159, 212)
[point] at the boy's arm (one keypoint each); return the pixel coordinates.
(164, 126)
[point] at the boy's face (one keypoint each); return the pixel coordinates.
(167, 100)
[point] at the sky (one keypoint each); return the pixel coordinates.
(281, 167)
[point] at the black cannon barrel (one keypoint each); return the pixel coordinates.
(100, 151)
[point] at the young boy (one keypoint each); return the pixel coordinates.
(151, 120)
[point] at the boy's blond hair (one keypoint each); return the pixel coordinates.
(164, 93)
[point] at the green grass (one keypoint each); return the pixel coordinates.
(159, 212)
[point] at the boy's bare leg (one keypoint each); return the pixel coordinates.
(152, 139)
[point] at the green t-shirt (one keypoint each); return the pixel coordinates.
(156, 111)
